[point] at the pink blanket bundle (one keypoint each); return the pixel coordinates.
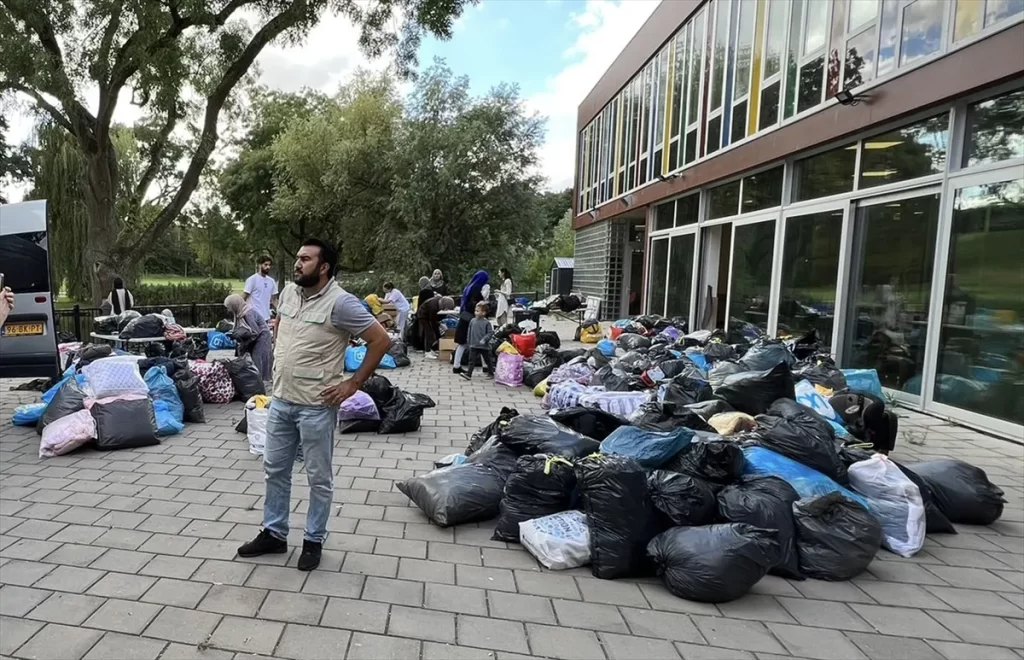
(67, 434)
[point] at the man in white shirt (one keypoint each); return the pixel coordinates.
(261, 289)
(401, 303)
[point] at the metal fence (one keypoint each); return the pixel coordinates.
(78, 320)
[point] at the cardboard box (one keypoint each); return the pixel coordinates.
(446, 346)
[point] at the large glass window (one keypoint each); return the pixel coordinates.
(810, 265)
(720, 52)
(811, 83)
(750, 286)
(999, 10)
(775, 38)
(906, 153)
(664, 214)
(658, 267)
(762, 190)
(744, 46)
(724, 200)
(890, 284)
(981, 345)
(859, 66)
(680, 276)
(995, 129)
(793, 56)
(968, 18)
(687, 210)
(922, 29)
(888, 36)
(829, 173)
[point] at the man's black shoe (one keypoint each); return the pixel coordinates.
(310, 557)
(264, 544)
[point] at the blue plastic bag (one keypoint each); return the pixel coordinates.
(651, 449)
(807, 396)
(218, 341)
(166, 403)
(864, 381)
(698, 358)
(607, 347)
(66, 376)
(354, 356)
(28, 414)
(807, 482)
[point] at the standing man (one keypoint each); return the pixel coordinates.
(316, 319)
(260, 289)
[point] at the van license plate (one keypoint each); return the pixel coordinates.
(21, 329)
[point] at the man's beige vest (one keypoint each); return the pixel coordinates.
(310, 352)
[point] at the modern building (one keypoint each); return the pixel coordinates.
(853, 167)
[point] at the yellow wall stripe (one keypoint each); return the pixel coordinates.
(668, 106)
(755, 85)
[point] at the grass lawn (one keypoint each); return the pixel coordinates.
(235, 284)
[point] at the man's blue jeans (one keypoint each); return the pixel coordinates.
(290, 426)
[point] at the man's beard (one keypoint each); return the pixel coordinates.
(306, 281)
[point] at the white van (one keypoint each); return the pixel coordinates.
(28, 340)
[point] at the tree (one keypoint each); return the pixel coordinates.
(175, 58)
(562, 244)
(14, 165)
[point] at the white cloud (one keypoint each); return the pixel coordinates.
(605, 28)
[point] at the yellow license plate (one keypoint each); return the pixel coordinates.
(22, 329)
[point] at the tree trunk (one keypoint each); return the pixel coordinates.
(101, 236)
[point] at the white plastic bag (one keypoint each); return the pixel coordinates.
(559, 541)
(114, 377)
(256, 429)
(895, 501)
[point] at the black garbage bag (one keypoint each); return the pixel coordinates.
(597, 360)
(187, 384)
(836, 538)
(962, 491)
(402, 361)
(753, 392)
(717, 461)
(403, 411)
(105, 325)
(805, 346)
(680, 499)
(681, 366)
(714, 563)
(634, 362)
(614, 379)
(865, 417)
(155, 349)
(379, 388)
(170, 365)
(549, 338)
(710, 408)
(765, 502)
(571, 353)
(180, 348)
(126, 317)
(358, 426)
(716, 351)
(665, 416)
(245, 377)
(199, 349)
(496, 456)
(613, 491)
(764, 354)
(539, 486)
(591, 422)
(92, 352)
(541, 434)
(936, 521)
(505, 331)
(224, 326)
(544, 361)
(68, 399)
(648, 321)
(484, 434)
(820, 369)
(124, 424)
(243, 424)
(682, 390)
(413, 335)
(456, 495)
(144, 327)
(722, 370)
(799, 433)
(629, 341)
(398, 348)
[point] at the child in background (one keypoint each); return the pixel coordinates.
(480, 330)
(398, 299)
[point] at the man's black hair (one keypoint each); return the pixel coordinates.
(389, 285)
(328, 255)
(264, 259)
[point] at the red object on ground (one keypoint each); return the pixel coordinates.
(526, 344)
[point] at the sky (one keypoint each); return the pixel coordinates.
(553, 50)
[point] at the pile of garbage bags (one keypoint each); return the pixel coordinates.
(719, 475)
(380, 407)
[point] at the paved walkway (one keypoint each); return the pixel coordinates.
(130, 554)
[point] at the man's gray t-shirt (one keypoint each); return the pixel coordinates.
(349, 315)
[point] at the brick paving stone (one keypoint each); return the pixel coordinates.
(19, 601)
(547, 584)
(961, 651)
(247, 635)
(312, 643)
(885, 647)
(423, 570)
(293, 607)
(352, 614)
(520, 607)
(363, 564)
(77, 534)
(462, 600)
(344, 585)
(824, 614)
(179, 593)
(181, 625)
(57, 641)
(436, 651)
(625, 647)
(224, 572)
(591, 616)
(240, 601)
(125, 561)
(756, 608)
(122, 585)
(276, 577)
(401, 548)
(567, 643)
(902, 621)
(168, 544)
(902, 595)
(702, 652)
(663, 625)
(975, 601)
(740, 635)
(612, 592)
(978, 629)
(171, 567)
(418, 623)
(660, 599)
(815, 643)
(483, 577)
(492, 634)
(365, 646)
(23, 573)
(399, 592)
(125, 647)
(123, 616)
(70, 609)
(15, 633)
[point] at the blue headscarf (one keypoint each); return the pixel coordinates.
(478, 281)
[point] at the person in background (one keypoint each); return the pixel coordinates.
(6, 304)
(120, 298)
(426, 292)
(504, 296)
(429, 318)
(252, 334)
(480, 330)
(437, 283)
(260, 289)
(398, 299)
(475, 292)
(309, 385)
(169, 314)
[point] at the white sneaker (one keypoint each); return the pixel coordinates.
(431, 355)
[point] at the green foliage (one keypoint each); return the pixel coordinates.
(184, 293)
(539, 266)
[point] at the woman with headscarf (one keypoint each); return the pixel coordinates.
(504, 297)
(252, 334)
(429, 318)
(437, 283)
(476, 291)
(426, 292)
(120, 298)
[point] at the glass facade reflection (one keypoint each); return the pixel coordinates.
(810, 265)
(753, 253)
